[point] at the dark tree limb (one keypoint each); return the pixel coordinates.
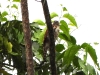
(27, 37)
(51, 36)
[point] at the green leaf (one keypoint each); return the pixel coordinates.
(4, 19)
(60, 47)
(72, 40)
(41, 36)
(96, 43)
(83, 66)
(14, 6)
(13, 53)
(16, 0)
(91, 69)
(64, 9)
(64, 28)
(40, 22)
(70, 54)
(53, 14)
(71, 18)
(5, 13)
(75, 61)
(91, 51)
(60, 55)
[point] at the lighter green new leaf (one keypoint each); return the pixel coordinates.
(71, 18)
(91, 52)
(91, 69)
(64, 9)
(83, 66)
(16, 0)
(53, 14)
(64, 28)
(5, 13)
(40, 22)
(14, 6)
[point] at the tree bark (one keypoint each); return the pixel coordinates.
(27, 38)
(51, 36)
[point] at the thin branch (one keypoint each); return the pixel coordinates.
(51, 36)
(27, 37)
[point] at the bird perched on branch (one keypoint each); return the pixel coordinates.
(46, 41)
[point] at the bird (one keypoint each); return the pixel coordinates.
(46, 40)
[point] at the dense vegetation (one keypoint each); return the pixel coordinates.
(68, 61)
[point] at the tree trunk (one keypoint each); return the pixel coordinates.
(27, 37)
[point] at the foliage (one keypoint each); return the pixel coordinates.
(68, 61)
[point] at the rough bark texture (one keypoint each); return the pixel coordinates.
(51, 36)
(27, 37)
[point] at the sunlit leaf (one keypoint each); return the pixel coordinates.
(71, 18)
(40, 22)
(83, 66)
(64, 9)
(59, 47)
(14, 6)
(52, 15)
(91, 69)
(91, 51)
(16, 0)
(70, 53)
(41, 36)
(4, 19)
(5, 13)
(64, 28)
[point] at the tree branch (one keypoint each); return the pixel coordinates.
(27, 37)
(51, 36)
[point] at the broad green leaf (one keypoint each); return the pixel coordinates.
(72, 40)
(91, 51)
(91, 69)
(70, 54)
(5, 13)
(75, 61)
(59, 47)
(40, 22)
(16, 0)
(64, 28)
(4, 19)
(41, 36)
(63, 36)
(14, 6)
(53, 14)
(64, 9)
(20, 37)
(61, 55)
(71, 18)
(83, 66)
